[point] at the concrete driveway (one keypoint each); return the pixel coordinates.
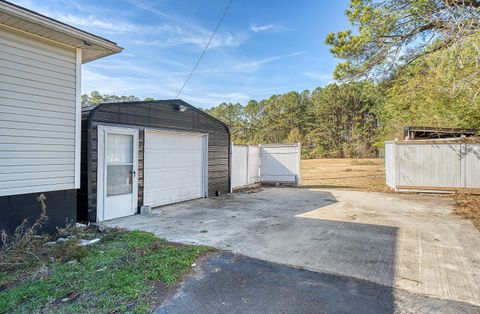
(408, 242)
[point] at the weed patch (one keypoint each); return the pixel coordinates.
(116, 275)
(468, 207)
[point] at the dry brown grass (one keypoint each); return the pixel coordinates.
(354, 174)
(24, 246)
(468, 206)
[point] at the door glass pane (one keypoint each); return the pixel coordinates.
(119, 180)
(119, 149)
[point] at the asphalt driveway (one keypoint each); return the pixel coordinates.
(407, 242)
(232, 283)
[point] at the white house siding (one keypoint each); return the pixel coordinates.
(38, 115)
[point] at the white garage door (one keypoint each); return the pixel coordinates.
(173, 167)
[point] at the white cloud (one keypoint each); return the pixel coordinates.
(149, 87)
(81, 19)
(253, 65)
(142, 86)
(92, 21)
(268, 27)
(180, 31)
(178, 36)
(170, 35)
(146, 6)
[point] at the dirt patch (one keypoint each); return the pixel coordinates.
(468, 206)
(352, 174)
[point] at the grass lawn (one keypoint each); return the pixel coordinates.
(344, 173)
(126, 272)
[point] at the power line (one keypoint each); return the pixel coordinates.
(206, 47)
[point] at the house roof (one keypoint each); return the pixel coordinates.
(425, 132)
(89, 111)
(22, 19)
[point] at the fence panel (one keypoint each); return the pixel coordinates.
(253, 164)
(429, 165)
(390, 164)
(280, 163)
(239, 166)
(432, 166)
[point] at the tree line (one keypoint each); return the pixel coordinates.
(96, 97)
(331, 121)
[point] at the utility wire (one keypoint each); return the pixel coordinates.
(206, 47)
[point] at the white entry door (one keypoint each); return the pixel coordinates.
(174, 167)
(118, 167)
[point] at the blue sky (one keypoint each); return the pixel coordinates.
(262, 48)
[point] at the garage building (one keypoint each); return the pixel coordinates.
(149, 153)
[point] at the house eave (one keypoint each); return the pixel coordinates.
(94, 47)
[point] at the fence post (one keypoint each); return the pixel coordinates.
(463, 165)
(248, 164)
(299, 152)
(397, 167)
(231, 166)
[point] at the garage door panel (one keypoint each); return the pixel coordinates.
(195, 173)
(184, 157)
(187, 192)
(183, 177)
(158, 178)
(160, 197)
(197, 157)
(173, 167)
(165, 158)
(162, 143)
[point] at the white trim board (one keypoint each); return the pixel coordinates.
(78, 116)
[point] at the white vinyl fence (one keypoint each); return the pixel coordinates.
(245, 165)
(432, 165)
(265, 163)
